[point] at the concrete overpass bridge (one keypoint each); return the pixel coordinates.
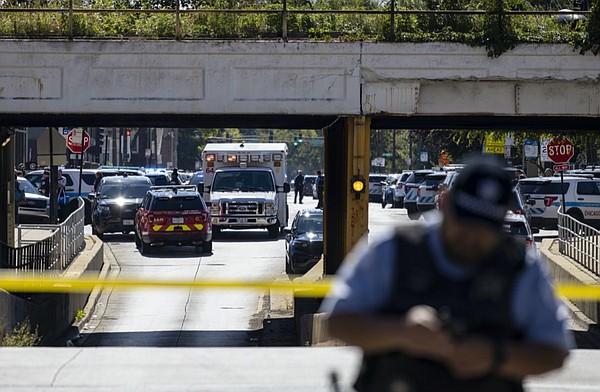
(346, 88)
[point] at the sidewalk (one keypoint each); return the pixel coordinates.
(30, 235)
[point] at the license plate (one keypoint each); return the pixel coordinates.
(177, 220)
(128, 222)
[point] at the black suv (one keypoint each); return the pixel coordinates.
(304, 241)
(116, 203)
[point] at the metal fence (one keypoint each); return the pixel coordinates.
(53, 253)
(281, 18)
(579, 241)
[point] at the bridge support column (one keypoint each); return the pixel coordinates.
(7, 190)
(347, 153)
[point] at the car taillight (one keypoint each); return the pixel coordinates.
(549, 200)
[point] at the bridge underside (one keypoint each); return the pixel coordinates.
(278, 121)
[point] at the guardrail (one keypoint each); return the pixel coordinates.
(280, 20)
(54, 252)
(579, 241)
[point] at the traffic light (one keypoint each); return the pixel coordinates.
(357, 186)
(100, 138)
(300, 137)
(128, 132)
(295, 141)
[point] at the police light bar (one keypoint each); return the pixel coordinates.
(210, 157)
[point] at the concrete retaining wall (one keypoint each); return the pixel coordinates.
(54, 313)
(567, 271)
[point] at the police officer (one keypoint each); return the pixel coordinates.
(452, 305)
(299, 186)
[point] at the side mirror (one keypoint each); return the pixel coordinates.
(286, 187)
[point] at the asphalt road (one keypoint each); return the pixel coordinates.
(206, 318)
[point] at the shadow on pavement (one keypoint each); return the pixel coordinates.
(171, 339)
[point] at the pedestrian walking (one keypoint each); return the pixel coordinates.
(450, 305)
(320, 185)
(45, 183)
(299, 186)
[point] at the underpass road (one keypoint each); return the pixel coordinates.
(194, 318)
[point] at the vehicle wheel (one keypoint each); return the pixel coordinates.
(145, 248)
(576, 214)
(207, 247)
(273, 231)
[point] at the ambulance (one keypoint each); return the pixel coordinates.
(245, 186)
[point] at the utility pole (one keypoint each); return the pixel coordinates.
(393, 150)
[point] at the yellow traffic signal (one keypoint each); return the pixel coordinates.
(357, 186)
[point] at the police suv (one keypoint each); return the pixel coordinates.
(582, 199)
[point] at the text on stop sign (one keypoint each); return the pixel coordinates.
(563, 149)
(75, 140)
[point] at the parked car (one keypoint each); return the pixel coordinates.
(173, 215)
(427, 191)
(517, 226)
(36, 208)
(71, 176)
(116, 203)
(582, 199)
(389, 187)
(376, 187)
(399, 191)
(413, 182)
(197, 179)
(304, 241)
(158, 178)
(309, 181)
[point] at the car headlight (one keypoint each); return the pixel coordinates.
(270, 208)
(103, 209)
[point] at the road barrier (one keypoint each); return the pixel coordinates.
(579, 242)
(50, 284)
(55, 252)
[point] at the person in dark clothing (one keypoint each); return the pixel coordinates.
(451, 305)
(45, 184)
(97, 181)
(320, 185)
(175, 178)
(298, 186)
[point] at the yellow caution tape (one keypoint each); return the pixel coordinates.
(29, 283)
(46, 284)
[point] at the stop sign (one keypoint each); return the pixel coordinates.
(74, 142)
(560, 151)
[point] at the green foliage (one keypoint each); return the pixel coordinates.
(80, 315)
(21, 336)
(497, 31)
(590, 40)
